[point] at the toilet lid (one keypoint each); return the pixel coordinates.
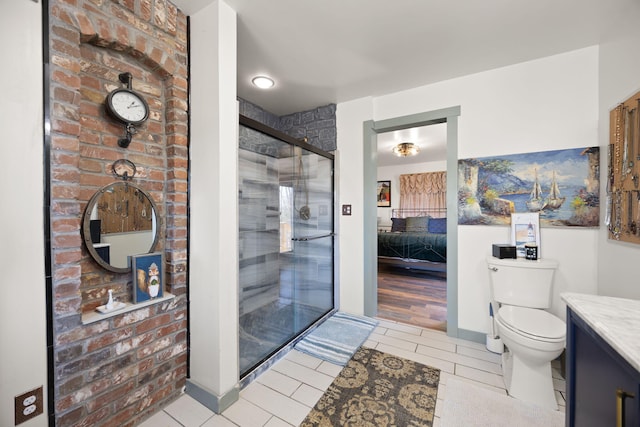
(534, 322)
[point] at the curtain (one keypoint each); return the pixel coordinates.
(424, 191)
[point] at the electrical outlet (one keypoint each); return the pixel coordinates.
(28, 405)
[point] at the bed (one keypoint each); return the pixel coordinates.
(417, 240)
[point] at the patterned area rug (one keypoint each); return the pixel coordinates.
(337, 338)
(378, 389)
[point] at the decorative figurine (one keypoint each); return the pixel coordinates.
(109, 305)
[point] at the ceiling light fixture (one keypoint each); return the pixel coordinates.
(263, 82)
(405, 149)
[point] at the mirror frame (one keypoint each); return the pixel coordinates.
(86, 221)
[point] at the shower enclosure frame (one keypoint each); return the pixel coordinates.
(297, 241)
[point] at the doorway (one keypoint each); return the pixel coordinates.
(371, 130)
(412, 280)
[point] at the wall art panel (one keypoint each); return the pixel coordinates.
(563, 186)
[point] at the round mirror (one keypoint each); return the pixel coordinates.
(120, 220)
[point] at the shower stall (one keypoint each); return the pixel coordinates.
(286, 240)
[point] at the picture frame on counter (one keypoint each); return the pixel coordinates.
(148, 272)
(525, 230)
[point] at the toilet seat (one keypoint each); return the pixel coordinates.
(533, 323)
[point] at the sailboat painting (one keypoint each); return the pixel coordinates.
(562, 186)
(536, 201)
(553, 200)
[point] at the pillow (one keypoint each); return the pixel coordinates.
(398, 224)
(438, 225)
(417, 223)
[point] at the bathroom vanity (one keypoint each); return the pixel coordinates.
(603, 361)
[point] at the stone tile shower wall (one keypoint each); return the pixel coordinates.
(118, 370)
(317, 125)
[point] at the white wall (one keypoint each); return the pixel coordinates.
(392, 173)
(125, 244)
(213, 232)
(23, 342)
(547, 104)
(349, 183)
(619, 79)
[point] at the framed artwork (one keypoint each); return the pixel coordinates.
(525, 228)
(563, 186)
(384, 194)
(148, 273)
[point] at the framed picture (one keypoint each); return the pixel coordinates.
(384, 194)
(563, 185)
(525, 228)
(148, 273)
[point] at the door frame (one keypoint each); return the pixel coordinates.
(371, 129)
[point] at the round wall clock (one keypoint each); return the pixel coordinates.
(127, 106)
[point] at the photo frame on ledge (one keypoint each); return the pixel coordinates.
(148, 273)
(384, 194)
(525, 229)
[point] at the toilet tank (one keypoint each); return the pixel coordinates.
(521, 282)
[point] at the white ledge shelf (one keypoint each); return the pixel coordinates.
(95, 316)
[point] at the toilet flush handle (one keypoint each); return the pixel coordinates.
(493, 268)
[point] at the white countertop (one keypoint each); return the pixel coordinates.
(616, 320)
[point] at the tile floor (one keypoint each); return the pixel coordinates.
(283, 395)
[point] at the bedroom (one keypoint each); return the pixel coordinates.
(411, 222)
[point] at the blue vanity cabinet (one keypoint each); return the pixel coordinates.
(603, 389)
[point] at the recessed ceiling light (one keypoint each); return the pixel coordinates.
(263, 82)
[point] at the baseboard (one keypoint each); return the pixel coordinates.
(212, 401)
(474, 336)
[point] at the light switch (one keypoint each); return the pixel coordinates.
(346, 209)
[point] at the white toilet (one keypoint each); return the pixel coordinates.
(521, 289)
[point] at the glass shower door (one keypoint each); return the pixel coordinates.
(285, 241)
(311, 260)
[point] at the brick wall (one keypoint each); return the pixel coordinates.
(119, 370)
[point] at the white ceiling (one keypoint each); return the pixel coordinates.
(432, 141)
(331, 51)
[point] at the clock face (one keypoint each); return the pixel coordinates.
(127, 106)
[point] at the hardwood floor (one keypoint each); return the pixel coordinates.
(415, 297)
